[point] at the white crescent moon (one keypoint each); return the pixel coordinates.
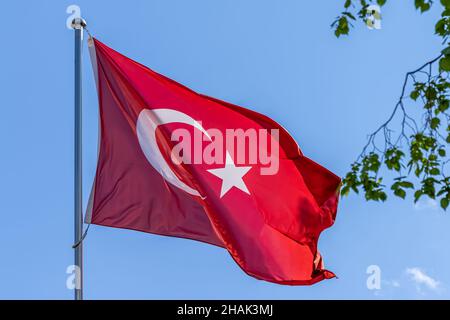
(146, 125)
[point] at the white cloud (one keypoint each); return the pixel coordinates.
(392, 283)
(426, 204)
(395, 283)
(420, 278)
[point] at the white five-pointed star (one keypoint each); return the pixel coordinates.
(231, 176)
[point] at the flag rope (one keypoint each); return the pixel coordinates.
(75, 245)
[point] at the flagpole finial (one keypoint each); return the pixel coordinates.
(79, 23)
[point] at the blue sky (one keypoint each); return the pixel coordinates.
(279, 58)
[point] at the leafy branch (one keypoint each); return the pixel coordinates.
(415, 152)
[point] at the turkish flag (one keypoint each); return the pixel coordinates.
(178, 163)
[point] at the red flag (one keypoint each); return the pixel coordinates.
(177, 163)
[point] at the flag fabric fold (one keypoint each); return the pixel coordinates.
(267, 209)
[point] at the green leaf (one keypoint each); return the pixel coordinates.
(342, 27)
(407, 184)
(442, 152)
(425, 7)
(417, 195)
(443, 106)
(414, 95)
(400, 193)
(444, 203)
(347, 4)
(422, 5)
(435, 171)
(434, 123)
(345, 191)
(445, 3)
(381, 2)
(446, 51)
(444, 63)
(439, 28)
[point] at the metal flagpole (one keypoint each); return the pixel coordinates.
(78, 25)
